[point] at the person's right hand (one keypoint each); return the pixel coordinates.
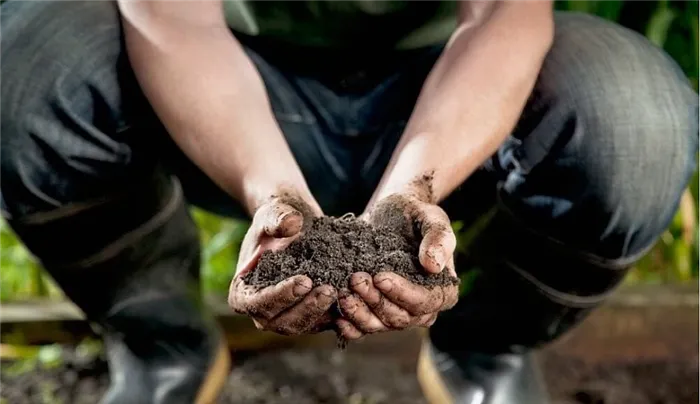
(290, 307)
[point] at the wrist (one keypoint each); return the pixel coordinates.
(415, 186)
(258, 191)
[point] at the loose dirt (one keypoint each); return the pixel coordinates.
(331, 249)
(308, 376)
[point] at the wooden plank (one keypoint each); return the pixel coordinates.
(649, 313)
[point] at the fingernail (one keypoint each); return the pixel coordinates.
(438, 258)
(300, 288)
(283, 216)
(326, 296)
(348, 307)
(361, 286)
(385, 285)
(326, 292)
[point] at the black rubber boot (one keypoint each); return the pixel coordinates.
(517, 299)
(131, 263)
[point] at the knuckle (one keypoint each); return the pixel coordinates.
(352, 334)
(418, 309)
(284, 329)
(376, 304)
(257, 310)
(399, 320)
(347, 307)
(372, 327)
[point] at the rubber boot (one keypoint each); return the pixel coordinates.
(131, 263)
(516, 299)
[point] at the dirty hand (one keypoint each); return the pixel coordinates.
(290, 307)
(389, 301)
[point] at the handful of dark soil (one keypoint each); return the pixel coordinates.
(331, 249)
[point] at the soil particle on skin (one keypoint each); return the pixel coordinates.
(423, 186)
(331, 249)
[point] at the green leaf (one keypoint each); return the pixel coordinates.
(681, 261)
(609, 10)
(579, 5)
(693, 25)
(660, 24)
(218, 243)
(89, 348)
(20, 367)
(467, 280)
(51, 356)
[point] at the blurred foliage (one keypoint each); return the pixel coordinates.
(671, 25)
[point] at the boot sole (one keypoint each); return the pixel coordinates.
(432, 385)
(216, 377)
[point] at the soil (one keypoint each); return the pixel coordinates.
(308, 376)
(331, 249)
(572, 380)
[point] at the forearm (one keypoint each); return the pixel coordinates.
(472, 98)
(210, 98)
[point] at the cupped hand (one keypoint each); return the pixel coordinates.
(291, 307)
(388, 301)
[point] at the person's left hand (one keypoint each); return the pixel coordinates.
(389, 301)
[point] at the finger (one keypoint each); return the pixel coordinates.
(272, 300)
(275, 225)
(324, 323)
(278, 220)
(347, 330)
(450, 293)
(304, 316)
(426, 320)
(357, 312)
(387, 312)
(415, 299)
(438, 244)
(246, 265)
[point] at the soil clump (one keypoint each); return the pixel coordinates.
(331, 249)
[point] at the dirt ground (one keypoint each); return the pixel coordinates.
(312, 375)
(318, 376)
(621, 355)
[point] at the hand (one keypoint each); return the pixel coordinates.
(389, 301)
(290, 307)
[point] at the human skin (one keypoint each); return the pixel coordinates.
(468, 105)
(178, 48)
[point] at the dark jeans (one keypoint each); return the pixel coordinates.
(597, 162)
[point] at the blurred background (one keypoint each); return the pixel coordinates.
(672, 25)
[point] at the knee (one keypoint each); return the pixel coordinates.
(629, 141)
(59, 66)
(620, 90)
(56, 43)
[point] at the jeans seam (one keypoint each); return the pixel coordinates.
(563, 298)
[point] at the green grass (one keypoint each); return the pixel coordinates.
(670, 25)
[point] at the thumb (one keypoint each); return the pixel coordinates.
(273, 227)
(279, 220)
(439, 242)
